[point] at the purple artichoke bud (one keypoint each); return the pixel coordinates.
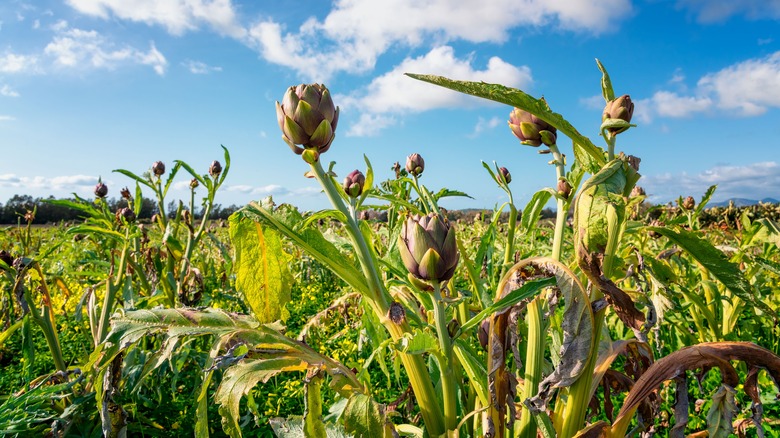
(194, 183)
(564, 188)
(126, 214)
(415, 164)
(215, 169)
(428, 247)
(621, 108)
(307, 117)
(505, 175)
(101, 190)
(125, 192)
(6, 257)
(637, 191)
(688, 203)
(353, 183)
(531, 130)
(158, 168)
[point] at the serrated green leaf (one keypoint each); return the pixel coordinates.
(519, 99)
(417, 342)
(261, 269)
(715, 262)
(363, 418)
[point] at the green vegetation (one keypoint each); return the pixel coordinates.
(619, 319)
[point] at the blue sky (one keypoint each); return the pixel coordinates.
(88, 86)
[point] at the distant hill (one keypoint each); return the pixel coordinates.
(742, 202)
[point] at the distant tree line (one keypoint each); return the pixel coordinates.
(14, 209)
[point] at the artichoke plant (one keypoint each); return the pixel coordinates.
(428, 248)
(101, 190)
(531, 130)
(307, 118)
(158, 168)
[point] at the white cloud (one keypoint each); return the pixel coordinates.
(394, 93)
(483, 125)
(595, 102)
(65, 182)
(74, 48)
(709, 11)
(7, 91)
(753, 181)
(6, 118)
(370, 125)
(177, 16)
(200, 68)
(13, 63)
(273, 190)
(356, 32)
(748, 88)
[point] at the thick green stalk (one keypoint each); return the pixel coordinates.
(510, 237)
(534, 359)
(45, 322)
(448, 385)
(560, 214)
(378, 300)
(110, 297)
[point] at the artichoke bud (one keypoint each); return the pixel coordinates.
(618, 109)
(310, 155)
(125, 192)
(505, 175)
(125, 214)
(637, 191)
(428, 248)
(101, 190)
(688, 203)
(564, 188)
(531, 130)
(307, 118)
(215, 169)
(415, 164)
(353, 184)
(633, 161)
(158, 168)
(655, 223)
(194, 183)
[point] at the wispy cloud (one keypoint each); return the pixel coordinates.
(177, 16)
(395, 94)
(748, 88)
(353, 35)
(16, 63)
(709, 11)
(754, 181)
(200, 68)
(484, 125)
(273, 190)
(76, 48)
(65, 182)
(4, 118)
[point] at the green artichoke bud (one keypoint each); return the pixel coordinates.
(353, 183)
(307, 118)
(621, 108)
(688, 203)
(101, 190)
(415, 164)
(215, 169)
(505, 175)
(158, 168)
(531, 130)
(428, 248)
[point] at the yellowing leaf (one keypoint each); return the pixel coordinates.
(261, 268)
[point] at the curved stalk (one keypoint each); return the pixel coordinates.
(510, 237)
(378, 300)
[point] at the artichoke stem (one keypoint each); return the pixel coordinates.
(449, 388)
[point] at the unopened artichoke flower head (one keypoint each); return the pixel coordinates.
(531, 130)
(428, 248)
(307, 118)
(621, 108)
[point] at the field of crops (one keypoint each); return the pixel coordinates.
(388, 315)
